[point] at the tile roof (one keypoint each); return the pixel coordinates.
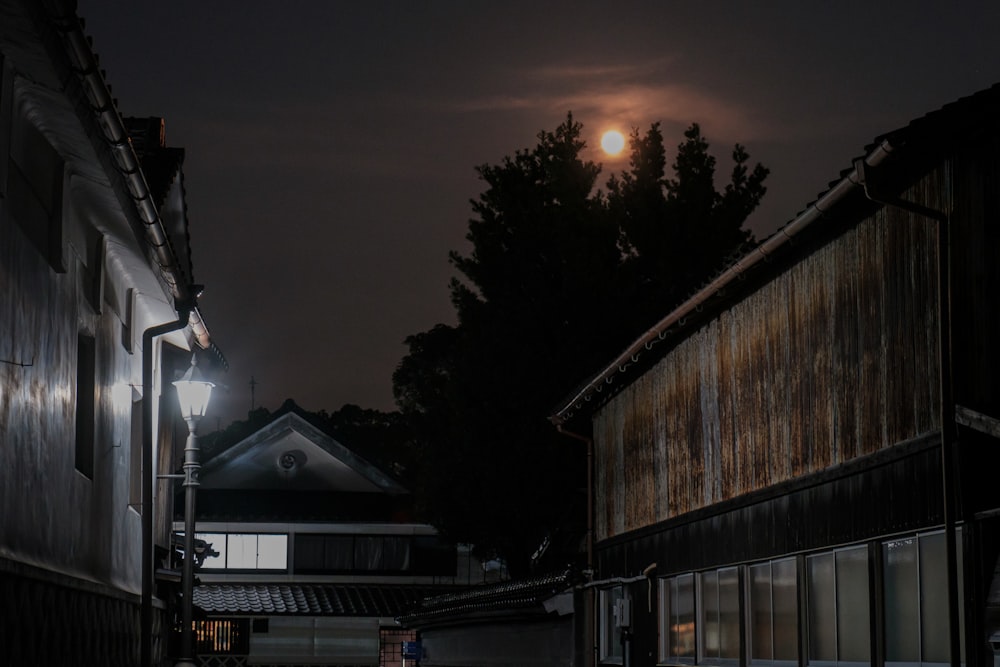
(504, 596)
(387, 600)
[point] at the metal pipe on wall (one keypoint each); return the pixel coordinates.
(864, 175)
(148, 475)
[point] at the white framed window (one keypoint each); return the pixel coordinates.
(246, 551)
(837, 607)
(677, 619)
(612, 601)
(719, 617)
(772, 613)
(915, 588)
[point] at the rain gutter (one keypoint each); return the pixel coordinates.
(85, 65)
(678, 317)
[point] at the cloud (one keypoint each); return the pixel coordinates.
(629, 96)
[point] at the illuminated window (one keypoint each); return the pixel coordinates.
(772, 613)
(246, 551)
(677, 619)
(915, 584)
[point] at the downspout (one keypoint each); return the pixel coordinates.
(589, 600)
(947, 407)
(148, 474)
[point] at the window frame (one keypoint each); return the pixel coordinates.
(917, 537)
(224, 551)
(748, 608)
(610, 649)
(665, 588)
(806, 632)
(701, 621)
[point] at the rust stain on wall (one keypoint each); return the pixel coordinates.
(831, 360)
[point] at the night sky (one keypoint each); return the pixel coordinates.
(331, 146)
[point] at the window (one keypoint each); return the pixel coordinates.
(677, 619)
(229, 636)
(341, 553)
(772, 612)
(915, 584)
(35, 176)
(135, 454)
(246, 551)
(719, 616)
(613, 602)
(838, 607)
(85, 380)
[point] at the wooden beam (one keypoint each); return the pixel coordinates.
(977, 420)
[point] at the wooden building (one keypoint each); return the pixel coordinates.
(97, 312)
(798, 465)
(317, 551)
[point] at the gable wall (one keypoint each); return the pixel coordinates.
(833, 359)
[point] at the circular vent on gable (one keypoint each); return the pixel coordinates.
(290, 461)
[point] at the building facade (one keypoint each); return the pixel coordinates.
(317, 551)
(93, 264)
(797, 465)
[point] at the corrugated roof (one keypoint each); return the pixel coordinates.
(310, 599)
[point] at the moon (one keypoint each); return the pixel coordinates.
(613, 142)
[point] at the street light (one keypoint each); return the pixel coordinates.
(193, 392)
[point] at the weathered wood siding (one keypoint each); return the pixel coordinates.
(833, 359)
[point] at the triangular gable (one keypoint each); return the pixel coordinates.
(289, 453)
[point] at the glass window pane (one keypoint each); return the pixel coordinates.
(309, 552)
(785, 600)
(272, 552)
(902, 607)
(242, 552)
(853, 628)
(959, 555)
(760, 612)
(338, 552)
(218, 542)
(368, 553)
(822, 608)
(934, 598)
(709, 616)
(663, 624)
(610, 633)
(729, 614)
(396, 553)
(682, 635)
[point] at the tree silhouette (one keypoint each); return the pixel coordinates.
(560, 277)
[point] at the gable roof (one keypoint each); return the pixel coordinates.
(906, 152)
(291, 453)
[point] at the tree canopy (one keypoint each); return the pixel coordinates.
(560, 277)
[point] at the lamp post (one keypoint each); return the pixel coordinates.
(193, 392)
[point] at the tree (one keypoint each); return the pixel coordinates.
(559, 278)
(678, 232)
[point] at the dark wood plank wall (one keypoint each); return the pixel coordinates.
(833, 359)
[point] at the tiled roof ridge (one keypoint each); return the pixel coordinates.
(500, 597)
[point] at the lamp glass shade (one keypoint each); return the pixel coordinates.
(193, 396)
